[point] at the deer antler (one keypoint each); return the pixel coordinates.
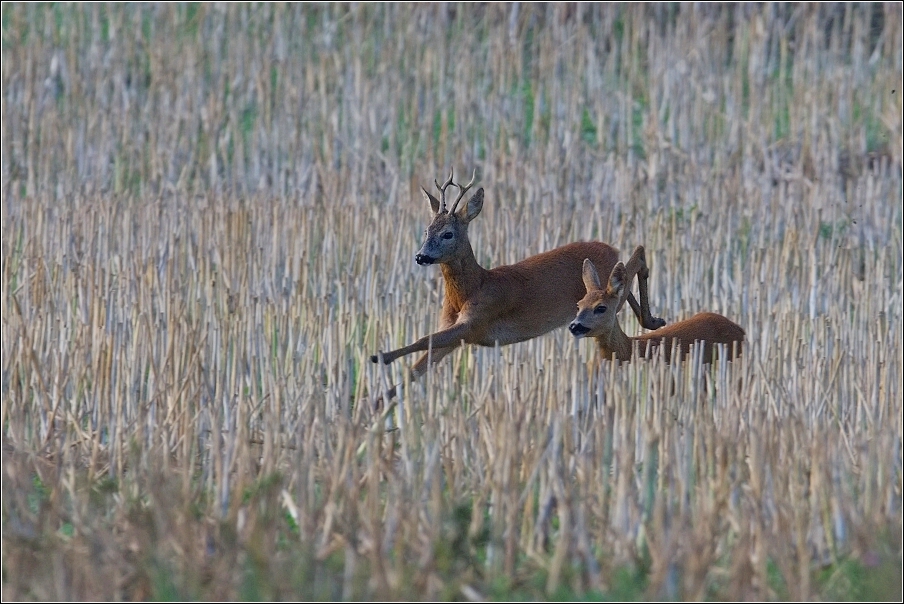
(462, 191)
(442, 190)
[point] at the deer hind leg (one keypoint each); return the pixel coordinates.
(638, 265)
(642, 310)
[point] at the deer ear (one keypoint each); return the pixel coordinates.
(617, 280)
(590, 276)
(434, 202)
(475, 204)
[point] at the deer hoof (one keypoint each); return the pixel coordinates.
(376, 358)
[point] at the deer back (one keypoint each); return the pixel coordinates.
(520, 301)
(708, 328)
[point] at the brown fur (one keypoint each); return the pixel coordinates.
(506, 304)
(596, 319)
(706, 327)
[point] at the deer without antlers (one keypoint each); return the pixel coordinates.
(506, 304)
(596, 318)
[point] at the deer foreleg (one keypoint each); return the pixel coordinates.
(447, 338)
(433, 356)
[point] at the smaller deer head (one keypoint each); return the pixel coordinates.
(597, 309)
(447, 236)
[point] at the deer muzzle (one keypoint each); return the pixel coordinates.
(424, 259)
(577, 329)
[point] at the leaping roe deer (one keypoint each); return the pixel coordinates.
(596, 318)
(506, 304)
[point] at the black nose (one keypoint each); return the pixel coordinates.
(578, 329)
(423, 259)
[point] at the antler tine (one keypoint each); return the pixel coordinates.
(463, 190)
(442, 190)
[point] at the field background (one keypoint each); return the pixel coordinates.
(209, 220)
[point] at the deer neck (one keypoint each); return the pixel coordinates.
(463, 276)
(615, 343)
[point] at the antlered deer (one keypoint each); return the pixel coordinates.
(596, 318)
(506, 304)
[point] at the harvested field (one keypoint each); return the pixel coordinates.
(209, 221)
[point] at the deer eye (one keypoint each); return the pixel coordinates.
(448, 235)
(599, 309)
